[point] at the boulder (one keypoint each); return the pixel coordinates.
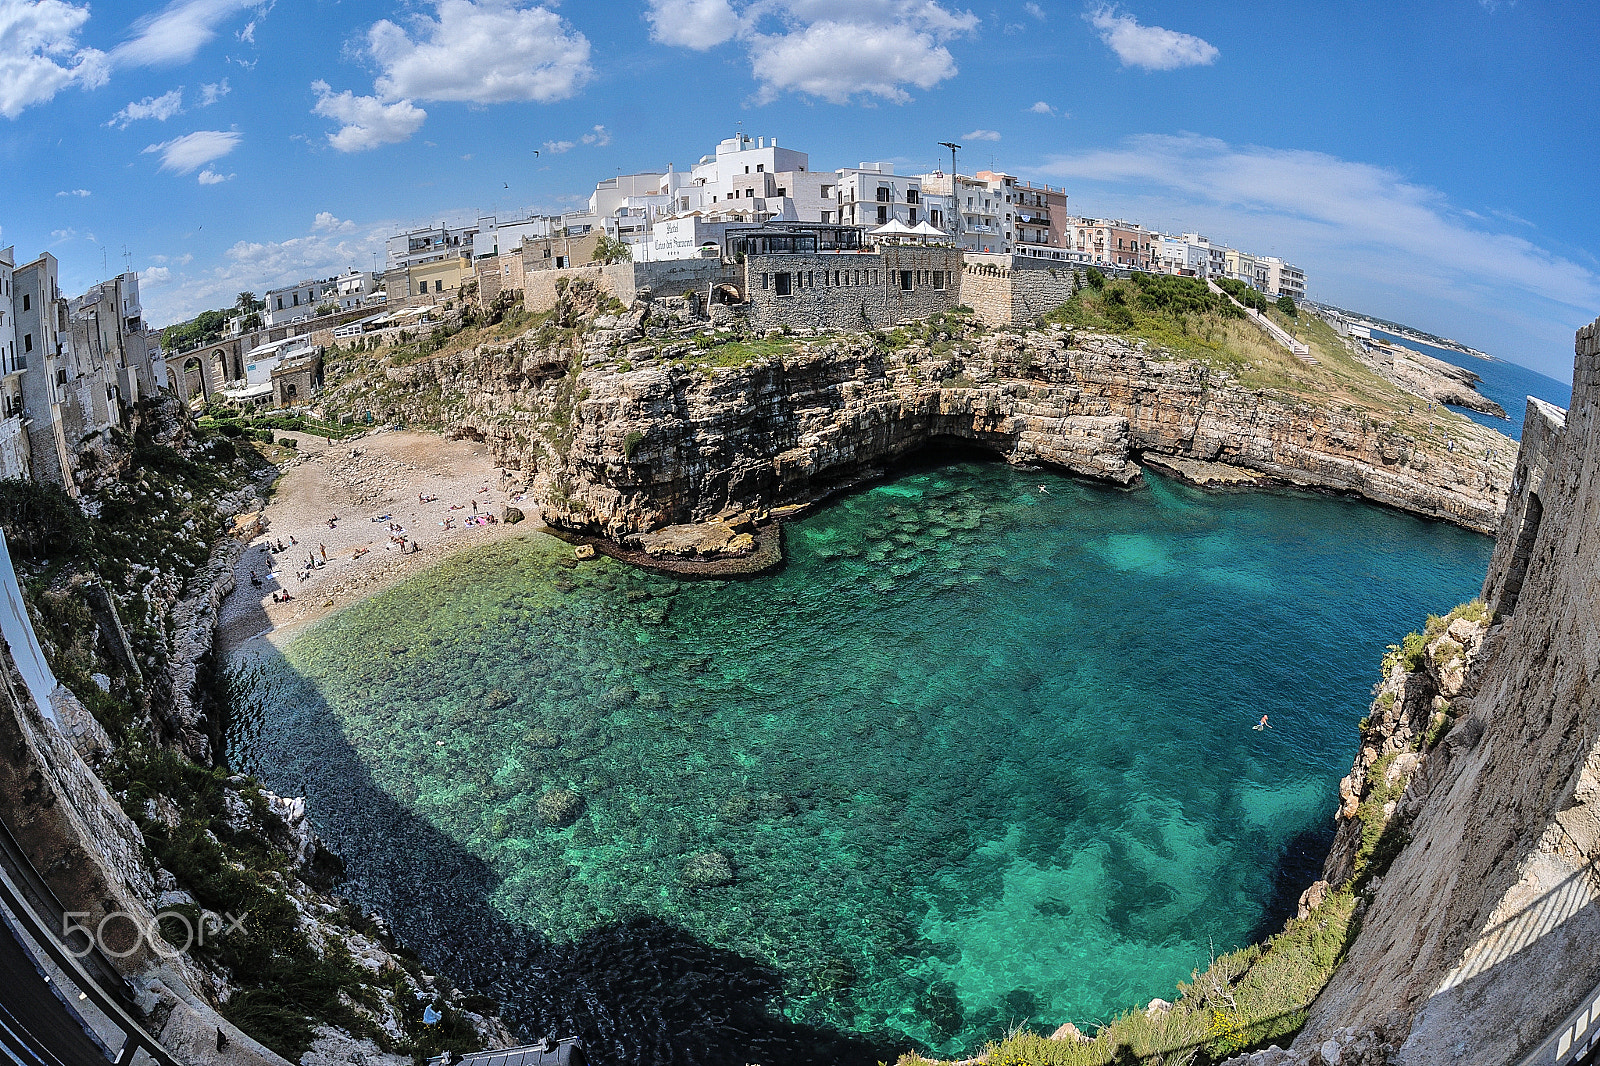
(708, 869)
(559, 807)
(511, 515)
(1311, 899)
(1069, 1032)
(584, 551)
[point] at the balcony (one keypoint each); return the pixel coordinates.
(1033, 217)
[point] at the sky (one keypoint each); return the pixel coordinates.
(1432, 162)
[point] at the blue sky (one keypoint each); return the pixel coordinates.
(1431, 162)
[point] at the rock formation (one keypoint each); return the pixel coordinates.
(619, 442)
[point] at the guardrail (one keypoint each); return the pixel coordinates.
(135, 1035)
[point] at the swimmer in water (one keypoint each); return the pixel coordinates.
(1044, 490)
(1262, 724)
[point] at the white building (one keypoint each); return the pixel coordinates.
(293, 303)
(981, 208)
(358, 288)
(872, 195)
(1191, 254)
(501, 238)
(14, 454)
(749, 178)
(424, 245)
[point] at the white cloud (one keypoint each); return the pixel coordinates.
(1042, 108)
(63, 235)
(1150, 47)
(39, 53)
(557, 147)
(1035, 10)
(159, 108)
(368, 121)
(175, 33)
(697, 24)
(193, 150)
(153, 276)
(484, 52)
(73, 192)
(248, 34)
(211, 92)
(328, 222)
(211, 177)
(599, 137)
(472, 51)
(180, 294)
(981, 135)
(1367, 237)
(832, 49)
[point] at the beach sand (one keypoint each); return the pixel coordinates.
(377, 474)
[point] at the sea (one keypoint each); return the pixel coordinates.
(1507, 384)
(981, 754)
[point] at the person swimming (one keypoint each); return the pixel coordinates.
(1263, 724)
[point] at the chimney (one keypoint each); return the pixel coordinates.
(774, 142)
(761, 142)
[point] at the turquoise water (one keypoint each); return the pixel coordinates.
(980, 754)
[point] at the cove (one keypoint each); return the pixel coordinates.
(980, 754)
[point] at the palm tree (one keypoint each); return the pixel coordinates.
(246, 302)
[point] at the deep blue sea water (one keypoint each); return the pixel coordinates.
(1507, 384)
(980, 754)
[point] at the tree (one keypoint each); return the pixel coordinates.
(1286, 305)
(246, 302)
(609, 249)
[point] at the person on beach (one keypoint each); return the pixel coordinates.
(323, 548)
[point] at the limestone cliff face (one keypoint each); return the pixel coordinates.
(1480, 938)
(618, 449)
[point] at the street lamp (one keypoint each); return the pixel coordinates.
(955, 198)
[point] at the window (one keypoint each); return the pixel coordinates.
(280, 303)
(811, 280)
(747, 170)
(883, 215)
(825, 192)
(883, 194)
(749, 192)
(913, 218)
(27, 301)
(764, 280)
(905, 280)
(827, 216)
(781, 283)
(438, 286)
(27, 340)
(911, 196)
(938, 279)
(759, 168)
(783, 190)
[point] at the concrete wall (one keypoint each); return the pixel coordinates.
(850, 291)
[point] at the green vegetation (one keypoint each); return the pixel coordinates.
(631, 442)
(609, 249)
(204, 328)
(1287, 306)
(1250, 297)
(1243, 1000)
(1412, 649)
(261, 427)
(726, 349)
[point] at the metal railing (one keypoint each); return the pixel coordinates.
(13, 899)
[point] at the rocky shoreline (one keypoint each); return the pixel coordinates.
(619, 441)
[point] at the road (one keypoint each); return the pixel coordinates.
(36, 1027)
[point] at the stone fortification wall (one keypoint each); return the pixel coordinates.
(851, 291)
(1542, 427)
(1480, 938)
(1006, 289)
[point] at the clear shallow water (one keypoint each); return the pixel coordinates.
(1507, 384)
(980, 754)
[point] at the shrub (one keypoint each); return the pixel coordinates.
(1286, 305)
(40, 520)
(288, 442)
(1096, 278)
(630, 443)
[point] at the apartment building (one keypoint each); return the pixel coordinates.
(975, 210)
(15, 460)
(873, 195)
(429, 243)
(297, 302)
(1039, 221)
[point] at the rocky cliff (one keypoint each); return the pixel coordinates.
(619, 438)
(1479, 938)
(114, 794)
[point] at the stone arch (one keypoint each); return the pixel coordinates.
(195, 382)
